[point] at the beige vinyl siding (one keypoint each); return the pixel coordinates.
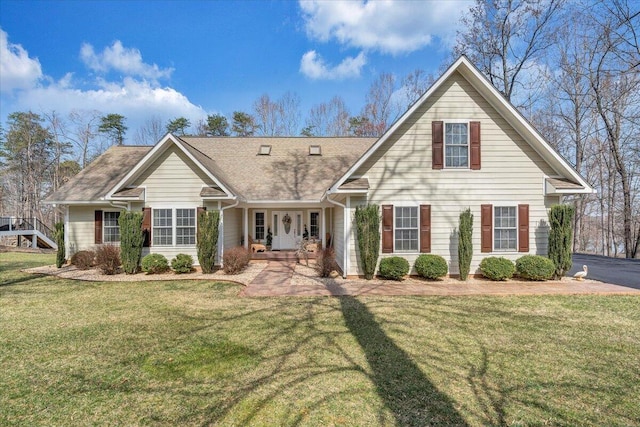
(81, 227)
(173, 178)
(232, 227)
(338, 236)
(354, 251)
(512, 173)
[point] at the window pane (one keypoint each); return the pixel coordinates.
(314, 225)
(406, 230)
(162, 227)
(185, 226)
(505, 228)
(111, 230)
(259, 231)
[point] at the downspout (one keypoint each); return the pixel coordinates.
(345, 240)
(222, 209)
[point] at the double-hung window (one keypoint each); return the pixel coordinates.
(505, 228)
(406, 229)
(111, 230)
(162, 227)
(185, 226)
(456, 143)
(259, 222)
(314, 225)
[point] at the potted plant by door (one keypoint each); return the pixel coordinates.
(269, 238)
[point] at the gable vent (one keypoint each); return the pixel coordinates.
(315, 150)
(265, 150)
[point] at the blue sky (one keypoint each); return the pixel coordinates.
(193, 58)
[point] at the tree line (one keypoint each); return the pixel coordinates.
(573, 70)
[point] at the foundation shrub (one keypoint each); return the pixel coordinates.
(83, 260)
(431, 266)
(367, 219)
(131, 240)
(155, 264)
(326, 262)
(394, 268)
(235, 260)
(497, 268)
(561, 238)
(465, 243)
(182, 263)
(207, 240)
(535, 267)
(108, 259)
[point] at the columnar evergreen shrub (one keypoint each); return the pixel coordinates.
(155, 264)
(207, 240)
(108, 259)
(83, 260)
(465, 244)
(182, 263)
(59, 236)
(535, 267)
(561, 238)
(131, 240)
(431, 266)
(235, 260)
(394, 268)
(497, 268)
(368, 234)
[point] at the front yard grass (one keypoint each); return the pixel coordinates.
(194, 353)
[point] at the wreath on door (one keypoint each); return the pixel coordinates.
(286, 221)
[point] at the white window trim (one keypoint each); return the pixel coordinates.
(396, 228)
(253, 235)
(319, 221)
(174, 226)
(444, 143)
(104, 234)
(493, 228)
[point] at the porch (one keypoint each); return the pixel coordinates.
(284, 255)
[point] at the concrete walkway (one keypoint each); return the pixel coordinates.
(279, 278)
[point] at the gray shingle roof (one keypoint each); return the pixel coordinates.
(94, 181)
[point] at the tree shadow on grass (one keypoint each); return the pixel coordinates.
(404, 388)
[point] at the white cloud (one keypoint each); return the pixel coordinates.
(313, 66)
(17, 70)
(388, 26)
(119, 58)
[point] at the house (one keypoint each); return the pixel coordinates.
(461, 145)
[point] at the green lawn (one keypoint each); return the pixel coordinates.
(194, 353)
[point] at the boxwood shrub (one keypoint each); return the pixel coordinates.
(394, 268)
(431, 266)
(182, 263)
(497, 268)
(535, 267)
(155, 264)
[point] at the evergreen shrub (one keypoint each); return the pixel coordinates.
(207, 240)
(465, 244)
(535, 267)
(108, 259)
(182, 263)
(561, 238)
(131, 240)
(367, 220)
(394, 268)
(234, 260)
(155, 264)
(431, 266)
(59, 237)
(497, 268)
(83, 260)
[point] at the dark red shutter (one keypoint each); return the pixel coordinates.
(437, 145)
(387, 228)
(523, 228)
(97, 224)
(486, 227)
(474, 139)
(425, 228)
(146, 226)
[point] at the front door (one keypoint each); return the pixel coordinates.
(287, 229)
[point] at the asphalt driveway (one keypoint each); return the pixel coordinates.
(618, 271)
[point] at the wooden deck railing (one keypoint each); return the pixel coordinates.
(11, 223)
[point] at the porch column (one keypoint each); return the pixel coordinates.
(347, 236)
(323, 228)
(67, 240)
(220, 233)
(245, 227)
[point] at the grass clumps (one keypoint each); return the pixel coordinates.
(431, 266)
(394, 268)
(497, 268)
(182, 263)
(155, 264)
(535, 267)
(235, 260)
